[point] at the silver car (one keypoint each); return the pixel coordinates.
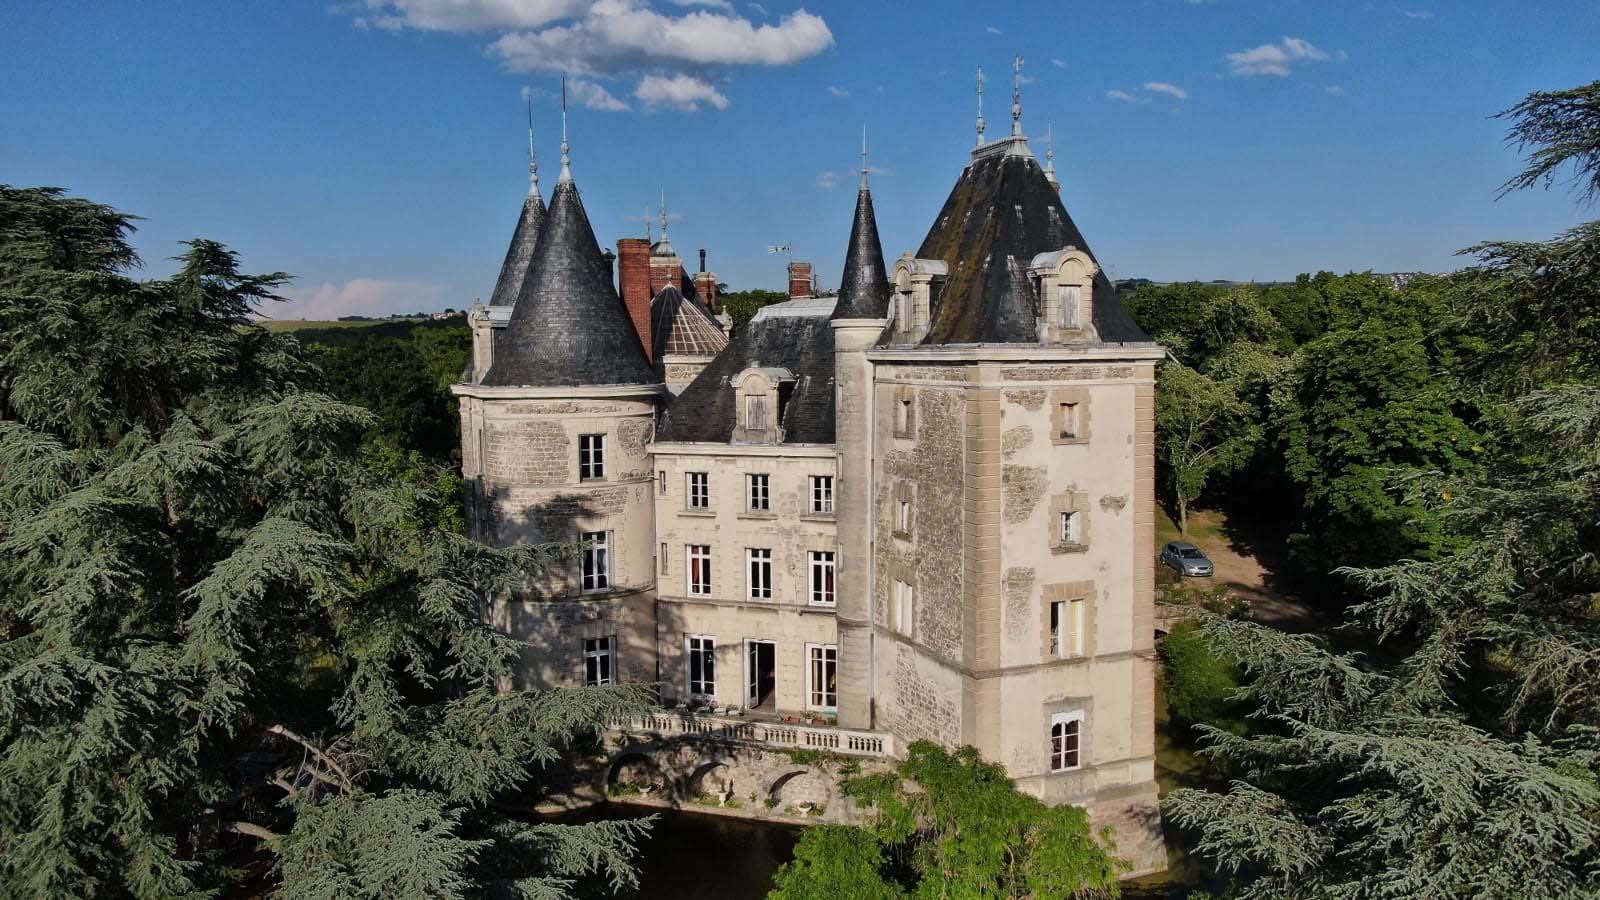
(1186, 559)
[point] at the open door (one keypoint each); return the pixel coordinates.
(761, 675)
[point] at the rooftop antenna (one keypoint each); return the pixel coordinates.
(533, 161)
(980, 106)
(863, 157)
(785, 249)
(1016, 98)
(566, 158)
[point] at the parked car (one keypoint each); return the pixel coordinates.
(1186, 559)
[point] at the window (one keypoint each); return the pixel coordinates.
(599, 654)
(663, 559)
(903, 518)
(1067, 420)
(699, 490)
(822, 493)
(700, 570)
(755, 413)
(822, 670)
(702, 666)
(758, 492)
(760, 568)
(596, 560)
(661, 482)
(591, 457)
(1066, 729)
(904, 608)
(822, 577)
(1067, 295)
(1071, 527)
(902, 416)
(1067, 627)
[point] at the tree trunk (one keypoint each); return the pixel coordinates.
(1183, 516)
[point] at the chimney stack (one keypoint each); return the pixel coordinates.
(633, 283)
(799, 280)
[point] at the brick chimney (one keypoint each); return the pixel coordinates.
(799, 280)
(665, 270)
(705, 284)
(633, 283)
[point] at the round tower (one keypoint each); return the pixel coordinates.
(554, 447)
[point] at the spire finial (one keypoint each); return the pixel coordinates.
(663, 214)
(1050, 153)
(1016, 98)
(533, 160)
(566, 149)
(980, 106)
(863, 157)
(647, 232)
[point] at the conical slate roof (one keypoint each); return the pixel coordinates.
(523, 242)
(864, 287)
(569, 327)
(1001, 213)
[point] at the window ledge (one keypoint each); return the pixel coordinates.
(758, 514)
(819, 517)
(1058, 440)
(902, 535)
(1060, 549)
(707, 513)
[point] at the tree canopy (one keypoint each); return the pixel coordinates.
(225, 630)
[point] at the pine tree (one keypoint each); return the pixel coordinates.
(224, 629)
(1462, 759)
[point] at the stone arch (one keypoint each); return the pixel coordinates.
(634, 767)
(801, 786)
(708, 778)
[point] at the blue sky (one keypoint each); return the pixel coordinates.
(376, 149)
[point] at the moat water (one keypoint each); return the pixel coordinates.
(693, 856)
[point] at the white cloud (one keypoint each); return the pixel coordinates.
(619, 35)
(838, 91)
(759, 9)
(723, 5)
(1336, 90)
(594, 96)
(681, 92)
(1059, 63)
(1415, 13)
(359, 297)
(469, 15)
(1274, 59)
(1126, 97)
(993, 30)
(1161, 87)
(827, 180)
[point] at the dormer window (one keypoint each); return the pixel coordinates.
(761, 393)
(755, 413)
(1065, 281)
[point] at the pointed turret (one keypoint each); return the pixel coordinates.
(569, 326)
(524, 240)
(864, 286)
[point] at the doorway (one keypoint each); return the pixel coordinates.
(761, 675)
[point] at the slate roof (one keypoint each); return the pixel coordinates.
(568, 327)
(864, 286)
(524, 240)
(680, 325)
(795, 335)
(1000, 214)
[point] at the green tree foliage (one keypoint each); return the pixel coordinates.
(1563, 128)
(224, 627)
(1463, 759)
(1359, 406)
(1203, 429)
(1202, 687)
(962, 833)
(742, 306)
(1315, 305)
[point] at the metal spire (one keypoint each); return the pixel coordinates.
(533, 161)
(566, 149)
(863, 157)
(980, 106)
(1016, 98)
(663, 214)
(1050, 154)
(647, 232)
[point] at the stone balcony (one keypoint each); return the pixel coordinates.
(774, 733)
